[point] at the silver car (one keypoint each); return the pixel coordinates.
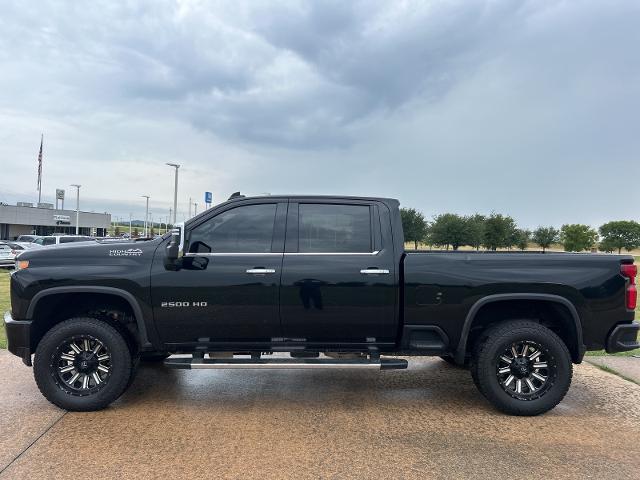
(27, 238)
(7, 257)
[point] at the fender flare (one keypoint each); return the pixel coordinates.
(545, 297)
(128, 297)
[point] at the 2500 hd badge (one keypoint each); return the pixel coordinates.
(183, 304)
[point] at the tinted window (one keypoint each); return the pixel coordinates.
(334, 228)
(49, 241)
(247, 229)
(75, 239)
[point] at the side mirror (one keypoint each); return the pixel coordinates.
(173, 255)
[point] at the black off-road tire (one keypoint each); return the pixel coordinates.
(488, 359)
(46, 365)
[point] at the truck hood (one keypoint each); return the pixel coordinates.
(92, 252)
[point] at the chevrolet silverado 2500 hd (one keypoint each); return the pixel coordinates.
(325, 280)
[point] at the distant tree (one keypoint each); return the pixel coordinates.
(414, 225)
(475, 230)
(449, 229)
(545, 237)
(620, 234)
(522, 239)
(136, 233)
(499, 231)
(576, 237)
(606, 246)
(116, 232)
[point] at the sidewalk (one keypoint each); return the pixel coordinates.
(628, 367)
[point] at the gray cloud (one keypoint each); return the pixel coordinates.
(529, 107)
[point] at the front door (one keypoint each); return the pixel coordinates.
(338, 275)
(227, 290)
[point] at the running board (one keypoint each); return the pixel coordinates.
(284, 363)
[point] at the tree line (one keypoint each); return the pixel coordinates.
(491, 232)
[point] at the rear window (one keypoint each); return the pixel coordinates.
(328, 228)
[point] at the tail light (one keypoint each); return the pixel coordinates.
(630, 271)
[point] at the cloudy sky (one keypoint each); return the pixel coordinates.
(526, 108)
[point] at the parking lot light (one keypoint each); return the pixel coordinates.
(175, 190)
(77, 207)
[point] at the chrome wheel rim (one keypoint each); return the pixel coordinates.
(81, 365)
(525, 370)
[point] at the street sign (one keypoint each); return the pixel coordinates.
(208, 197)
(59, 194)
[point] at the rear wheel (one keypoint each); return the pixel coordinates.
(82, 364)
(522, 368)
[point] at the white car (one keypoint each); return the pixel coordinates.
(9, 250)
(7, 256)
(58, 239)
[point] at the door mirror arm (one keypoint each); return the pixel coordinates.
(174, 250)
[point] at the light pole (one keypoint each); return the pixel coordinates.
(195, 204)
(146, 215)
(175, 190)
(130, 232)
(77, 207)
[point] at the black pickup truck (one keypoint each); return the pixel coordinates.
(322, 282)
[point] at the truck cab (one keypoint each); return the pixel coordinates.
(279, 272)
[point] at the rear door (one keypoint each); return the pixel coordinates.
(338, 274)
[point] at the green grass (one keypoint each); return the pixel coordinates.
(5, 304)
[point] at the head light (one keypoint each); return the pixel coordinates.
(22, 264)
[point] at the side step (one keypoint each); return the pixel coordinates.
(284, 363)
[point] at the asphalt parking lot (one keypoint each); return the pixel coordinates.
(426, 422)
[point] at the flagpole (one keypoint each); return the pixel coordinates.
(40, 170)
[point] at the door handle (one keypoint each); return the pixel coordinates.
(374, 271)
(260, 271)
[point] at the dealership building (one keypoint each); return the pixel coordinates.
(44, 219)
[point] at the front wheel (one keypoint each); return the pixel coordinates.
(82, 364)
(522, 368)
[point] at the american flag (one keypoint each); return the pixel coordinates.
(40, 164)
